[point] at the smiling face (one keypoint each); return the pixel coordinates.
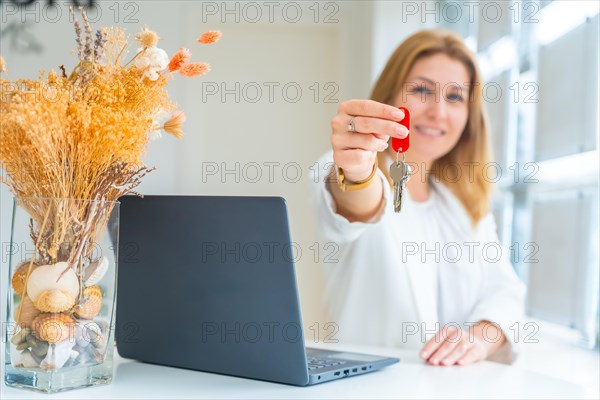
(436, 94)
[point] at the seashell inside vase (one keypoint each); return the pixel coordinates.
(54, 301)
(87, 332)
(91, 304)
(95, 271)
(26, 313)
(20, 337)
(57, 356)
(51, 277)
(53, 328)
(20, 275)
(26, 360)
(37, 347)
(73, 240)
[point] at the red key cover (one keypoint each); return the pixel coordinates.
(403, 143)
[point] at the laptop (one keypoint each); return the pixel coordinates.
(208, 283)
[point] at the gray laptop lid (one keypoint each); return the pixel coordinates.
(208, 283)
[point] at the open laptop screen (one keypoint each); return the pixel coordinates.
(208, 283)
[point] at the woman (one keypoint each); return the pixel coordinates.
(430, 276)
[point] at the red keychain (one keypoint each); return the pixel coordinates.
(400, 171)
(401, 145)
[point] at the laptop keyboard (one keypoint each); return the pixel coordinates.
(318, 363)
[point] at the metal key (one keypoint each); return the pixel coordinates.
(399, 172)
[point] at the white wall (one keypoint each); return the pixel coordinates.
(394, 21)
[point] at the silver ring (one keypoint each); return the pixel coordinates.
(351, 127)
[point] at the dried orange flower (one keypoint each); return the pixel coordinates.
(210, 37)
(194, 69)
(173, 125)
(3, 68)
(92, 124)
(52, 77)
(82, 134)
(180, 58)
(147, 38)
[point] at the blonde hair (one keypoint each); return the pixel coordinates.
(472, 148)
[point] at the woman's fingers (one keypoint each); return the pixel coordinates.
(442, 351)
(431, 346)
(437, 341)
(457, 353)
(372, 125)
(456, 348)
(370, 117)
(379, 126)
(347, 140)
(445, 342)
(370, 108)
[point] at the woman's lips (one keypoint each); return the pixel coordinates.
(432, 132)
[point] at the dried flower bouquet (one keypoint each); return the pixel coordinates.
(70, 145)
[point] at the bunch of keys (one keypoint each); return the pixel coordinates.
(400, 171)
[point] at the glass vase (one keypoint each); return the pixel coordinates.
(61, 294)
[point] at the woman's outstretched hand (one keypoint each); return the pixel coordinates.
(452, 345)
(374, 123)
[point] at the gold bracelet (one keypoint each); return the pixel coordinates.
(356, 185)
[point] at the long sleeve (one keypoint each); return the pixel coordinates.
(386, 265)
(332, 226)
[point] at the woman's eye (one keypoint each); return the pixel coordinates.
(422, 89)
(455, 97)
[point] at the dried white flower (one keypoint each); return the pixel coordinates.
(152, 61)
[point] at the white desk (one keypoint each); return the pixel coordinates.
(410, 378)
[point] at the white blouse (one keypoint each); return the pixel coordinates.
(400, 277)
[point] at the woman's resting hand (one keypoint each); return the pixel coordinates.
(452, 345)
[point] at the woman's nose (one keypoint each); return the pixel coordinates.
(437, 108)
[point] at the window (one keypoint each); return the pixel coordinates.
(540, 64)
